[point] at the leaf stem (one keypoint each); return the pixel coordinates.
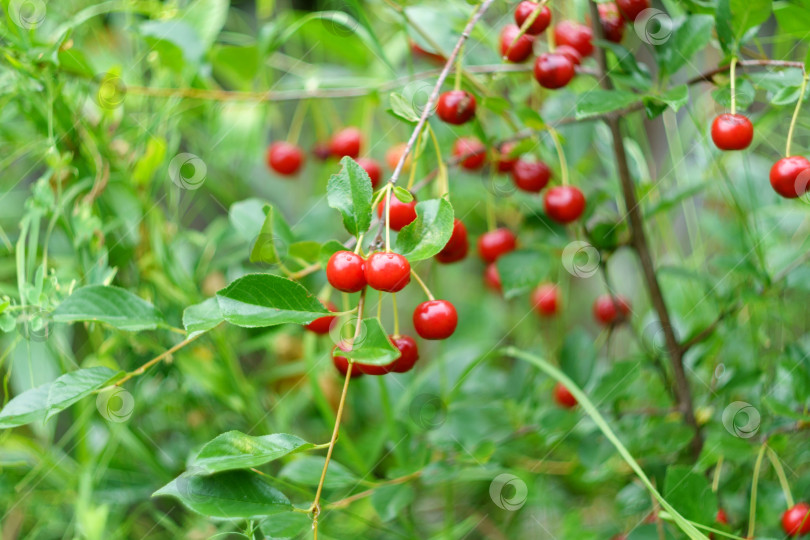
(752, 509)
(795, 115)
(297, 122)
(555, 136)
(780, 473)
(422, 284)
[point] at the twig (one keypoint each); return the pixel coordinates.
(342, 503)
(155, 360)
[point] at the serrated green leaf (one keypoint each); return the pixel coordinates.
(402, 108)
(372, 345)
(692, 35)
(110, 305)
(202, 317)
(521, 270)
(236, 450)
(350, 193)
(425, 236)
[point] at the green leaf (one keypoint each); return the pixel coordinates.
(530, 118)
(73, 386)
(793, 18)
(635, 74)
(425, 236)
(390, 501)
(401, 108)
(403, 194)
(232, 494)
(744, 91)
(175, 41)
(25, 408)
(328, 249)
(746, 14)
(692, 35)
(691, 493)
(521, 270)
(264, 247)
(372, 345)
(496, 104)
(307, 250)
(236, 450)
(202, 317)
(266, 300)
(676, 97)
(111, 305)
(578, 356)
(597, 102)
(306, 470)
(149, 162)
(207, 17)
(286, 526)
(350, 192)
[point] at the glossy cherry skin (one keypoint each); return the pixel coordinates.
(573, 34)
(492, 278)
(570, 53)
(473, 149)
(388, 272)
(796, 519)
(408, 353)
(530, 176)
(493, 244)
(609, 310)
(342, 363)
(564, 204)
(435, 319)
(790, 176)
(732, 132)
(553, 70)
(345, 271)
(393, 155)
(457, 246)
(564, 397)
(400, 213)
(612, 22)
(631, 8)
(525, 9)
(545, 299)
(521, 50)
(284, 158)
(427, 55)
(456, 107)
(372, 168)
(346, 142)
(321, 324)
(506, 163)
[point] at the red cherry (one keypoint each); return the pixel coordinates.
(473, 152)
(346, 142)
(492, 278)
(493, 244)
(400, 213)
(457, 246)
(345, 271)
(578, 36)
(427, 55)
(564, 397)
(284, 158)
(796, 519)
(631, 8)
(722, 517)
(525, 9)
(553, 70)
(732, 132)
(610, 310)
(570, 53)
(321, 324)
(369, 369)
(321, 151)
(408, 353)
(545, 299)
(612, 22)
(372, 168)
(564, 204)
(531, 176)
(393, 154)
(388, 272)
(790, 176)
(342, 363)
(506, 163)
(435, 319)
(456, 107)
(521, 50)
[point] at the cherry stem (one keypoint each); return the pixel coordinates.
(396, 313)
(780, 473)
(795, 115)
(491, 222)
(388, 218)
(733, 74)
(415, 161)
(525, 26)
(718, 469)
(297, 122)
(359, 245)
(162, 356)
(422, 284)
(560, 155)
(752, 509)
(459, 68)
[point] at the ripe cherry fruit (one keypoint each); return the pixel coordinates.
(492, 278)
(388, 272)
(631, 8)
(321, 324)
(372, 168)
(545, 299)
(427, 55)
(796, 519)
(400, 213)
(457, 246)
(456, 107)
(732, 132)
(531, 176)
(471, 151)
(505, 162)
(345, 271)
(573, 34)
(553, 70)
(493, 244)
(790, 176)
(522, 48)
(408, 353)
(570, 53)
(609, 310)
(346, 142)
(435, 319)
(342, 363)
(612, 22)
(564, 204)
(525, 9)
(284, 158)
(564, 397)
